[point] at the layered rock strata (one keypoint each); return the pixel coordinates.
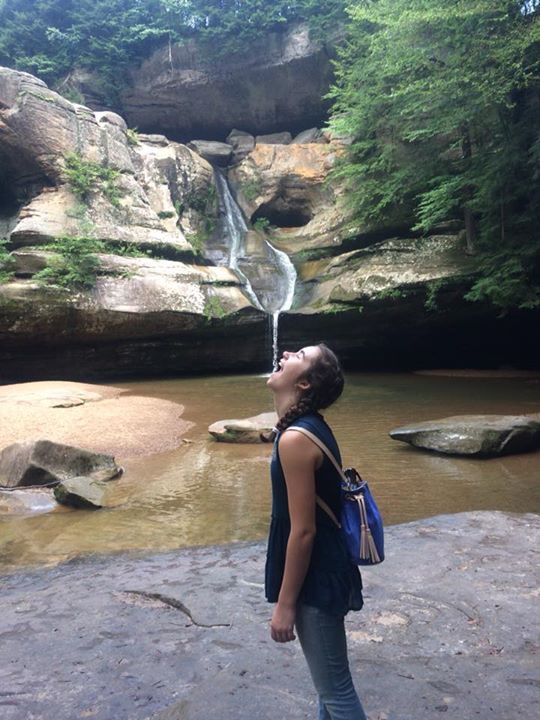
(186, 94)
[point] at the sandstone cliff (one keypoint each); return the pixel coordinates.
(163, 301)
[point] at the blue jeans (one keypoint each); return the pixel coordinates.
(324, 645)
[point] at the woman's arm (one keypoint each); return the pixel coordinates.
(299, 459)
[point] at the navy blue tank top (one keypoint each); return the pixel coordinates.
(332, 582)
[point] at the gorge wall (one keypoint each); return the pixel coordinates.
(163, 301)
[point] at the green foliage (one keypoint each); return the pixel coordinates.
(510, 278)
(199, 238)
(432, 291)
(391, 294)
(75, 265)
(441, 102)
(251, 189)
(132, 136)
(84, 177)
(165, 214)
(213, 308)
(6, 262)
(263, 225)
(127, 249)
(50, 37)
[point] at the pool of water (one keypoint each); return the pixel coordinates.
(206, 492)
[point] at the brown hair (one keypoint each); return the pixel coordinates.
(325, 378)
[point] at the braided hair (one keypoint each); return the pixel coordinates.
(325, 378)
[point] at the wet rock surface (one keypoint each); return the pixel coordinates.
(247, 430)
(42, 462)
(474, 435)
(449, 626)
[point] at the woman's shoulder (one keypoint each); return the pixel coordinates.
(314, 422)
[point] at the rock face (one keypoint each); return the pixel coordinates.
(42, 462)
(247, 430)
(160, 305)
(81, 492)
(280, 86)
(474, 435)
(166, 205)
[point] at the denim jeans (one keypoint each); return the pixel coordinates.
(324, 645)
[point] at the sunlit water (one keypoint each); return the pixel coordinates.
(207, 492)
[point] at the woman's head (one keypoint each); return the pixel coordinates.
(311, 377)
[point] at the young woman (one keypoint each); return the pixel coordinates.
(308, 573)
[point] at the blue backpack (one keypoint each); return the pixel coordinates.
(360, 523)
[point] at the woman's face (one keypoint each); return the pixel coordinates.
(292, 367)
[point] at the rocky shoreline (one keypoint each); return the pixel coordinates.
(448, 627)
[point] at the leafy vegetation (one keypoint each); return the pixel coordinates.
(263, 225)
(84, 177)
(75, 265)
(213, 308)
(132, 136)
(6, 262)
(50, 38)
(441, 102)
(251, 189)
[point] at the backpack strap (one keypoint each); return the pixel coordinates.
(334, 462)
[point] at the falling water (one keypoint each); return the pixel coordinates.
(236, 230)
(289, 272)
(276, 294)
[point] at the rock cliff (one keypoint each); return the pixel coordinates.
(183, 93)
(162, 300)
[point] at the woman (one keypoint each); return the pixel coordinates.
(308, 573)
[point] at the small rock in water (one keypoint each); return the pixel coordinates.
(81, 492)
(474, 435)
(42, 462)
(247, 430)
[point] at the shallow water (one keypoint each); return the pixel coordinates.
(206, 492)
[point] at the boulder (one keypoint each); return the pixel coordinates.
(392, 266)
(281, 138)
(281, 81)
(42, 462)
(38, 130)
(242, 144)
(474, 435)
(247, 430)
(312, 135)
(216, 153)
(285, 184)
(82, 492)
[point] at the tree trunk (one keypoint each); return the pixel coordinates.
(470, 231)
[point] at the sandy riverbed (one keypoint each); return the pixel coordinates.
(97, 417)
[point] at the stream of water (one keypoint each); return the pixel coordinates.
(277, 292)
(207, 492)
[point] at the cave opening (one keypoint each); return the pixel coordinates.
(281, 213)
(20, 181)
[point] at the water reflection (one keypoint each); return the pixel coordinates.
(206, 492)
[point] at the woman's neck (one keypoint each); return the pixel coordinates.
(283, 403)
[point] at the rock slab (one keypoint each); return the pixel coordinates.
(81, 492)
(474, 435)
(449, 629)
(247, 430)
(42, 462)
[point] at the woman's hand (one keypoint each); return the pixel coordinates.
(282, 624)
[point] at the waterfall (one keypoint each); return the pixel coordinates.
(236, 230)
(274, 275)
(289, 272)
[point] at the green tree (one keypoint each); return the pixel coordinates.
(442, 102)
(49, 38)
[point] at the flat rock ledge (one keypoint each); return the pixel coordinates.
(247, 430)
(474, 435)
(450, 625)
